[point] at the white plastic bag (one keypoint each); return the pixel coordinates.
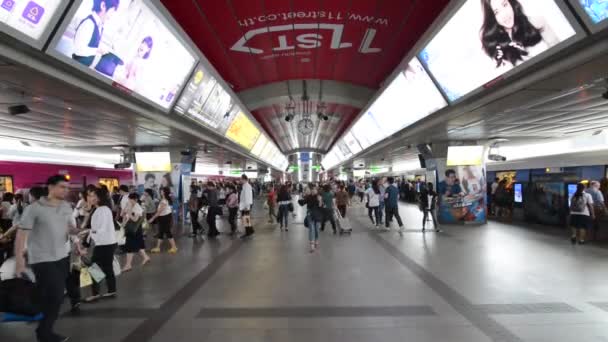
(116, 267)
(121, 239)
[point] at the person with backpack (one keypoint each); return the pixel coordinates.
(581, 214)
(373, 203)
(428, 205)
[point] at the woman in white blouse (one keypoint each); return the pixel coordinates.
(103, 237)
(134, 237)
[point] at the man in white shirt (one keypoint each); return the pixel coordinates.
(89, 33)
(245, 204)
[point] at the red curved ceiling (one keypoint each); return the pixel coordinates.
(253, 43)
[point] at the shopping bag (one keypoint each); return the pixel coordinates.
(116, 267)
(85, 277)
(145, 225)
(121, 239)
(96, 273)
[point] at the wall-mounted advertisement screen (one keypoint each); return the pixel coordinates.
(260, 145)
(484, 40)
(593, 12)
(352, 143)
(30, 20)
(330, 160)
(367, 131)
(465, 155)
(518, 193)
(152, 162)
(127, 44)
(243, 132)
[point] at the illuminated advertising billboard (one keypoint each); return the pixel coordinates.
(127, 44)
(152, 161)
(593, 12)
(30, 20)
(243, 132)
(485, 40)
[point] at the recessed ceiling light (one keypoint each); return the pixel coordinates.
(69, 108)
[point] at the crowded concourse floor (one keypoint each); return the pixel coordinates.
(499, 282)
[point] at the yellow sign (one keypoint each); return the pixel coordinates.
(198, 77)
(243, 132)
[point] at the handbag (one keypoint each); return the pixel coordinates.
(131, 227)
(19, 296)
(96, 273)
(85, 277)
(290, 207)
(121, 238)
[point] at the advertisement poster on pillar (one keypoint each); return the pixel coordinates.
(156, 181)
(30, 20)
(127, 44)
(486, 40)
(462, 194)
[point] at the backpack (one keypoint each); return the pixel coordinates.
(578, 204)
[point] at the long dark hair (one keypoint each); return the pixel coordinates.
(103, 198)
(375, 187)
(580, 189)
(494, 37)
(19, 202)
(167, 195)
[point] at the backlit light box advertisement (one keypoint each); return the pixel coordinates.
(152, 161)
(30, 20)
(593, 12)
(465, 155)
(128, 44)
(243, 132)
(486, 39)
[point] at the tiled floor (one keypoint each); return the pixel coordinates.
(498, 282)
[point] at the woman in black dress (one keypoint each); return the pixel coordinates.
(134, 232)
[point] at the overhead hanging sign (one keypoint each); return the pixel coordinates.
(128, 45)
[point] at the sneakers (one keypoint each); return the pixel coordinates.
(173, 251)
(438, 230)
(155, 250)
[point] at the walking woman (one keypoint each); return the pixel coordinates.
(314, 216)
(428, 205)
(284, 202)
(272, 203)
(103, 237)
(232, 202)
(373, 203)
(134, 233)
(581, 214)
(342, 199)
(164, 214)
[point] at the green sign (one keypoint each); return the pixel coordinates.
(236, 172)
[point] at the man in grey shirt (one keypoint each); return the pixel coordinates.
(45, 226)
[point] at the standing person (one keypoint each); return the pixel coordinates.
(103, 236)
(45, 226)
(232, 202)
(599, 205)
(382, 187)
(149, 205)
(493, 188)
(392, 205)
(271, 201)
(373, 204)
(213, 210)
(581, 214)
(428, 204)
(342, 200)
(5, 208)
(314, 215)
(164, 214)
(351, 189)
(284, 202)
(134, 233)
(124, 200)
(361, 191)
(194, 205)
(89, 33)
(328, 208)
(245, 204)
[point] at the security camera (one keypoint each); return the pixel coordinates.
(497, 158)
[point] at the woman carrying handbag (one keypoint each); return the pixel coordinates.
(103, 236)
(133, 225)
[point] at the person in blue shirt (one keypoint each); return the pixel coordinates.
(391, 205)
(449, 187)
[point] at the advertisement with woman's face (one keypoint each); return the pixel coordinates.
(487, 38)
(127, 42)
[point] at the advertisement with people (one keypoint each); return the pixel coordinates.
(243, 132)
(486, 39)
(127, 43)
(462, 194)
